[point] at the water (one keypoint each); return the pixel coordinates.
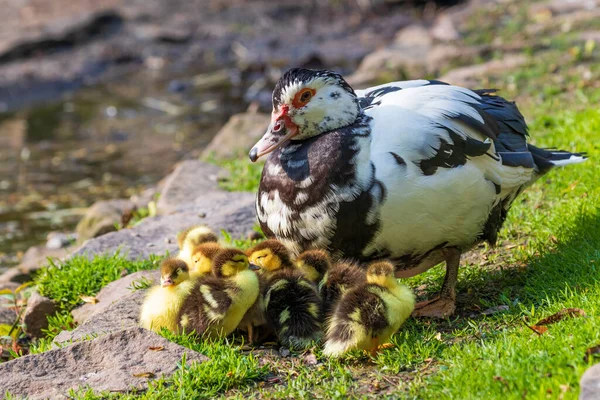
(109, 141)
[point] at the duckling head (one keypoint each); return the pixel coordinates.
(229, 262)
(203, 256)
(270, 255)
(196, 235)
(382, 273)
(173, 271)
(314, 264)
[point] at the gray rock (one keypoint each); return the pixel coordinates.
(102, 218)
(59, 240)
(13, 278)
(108, 363)
(7, 316)
(232, 212)
(36, 314)
(238, 135)
(122, 314)
(190, 181)
(112, 293)
(590, 384)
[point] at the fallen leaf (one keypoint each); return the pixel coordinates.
(592, 352)
(565, 312)
(540, 330)
(156, 348)
(89, 299)
(144, 375)
(229, 374)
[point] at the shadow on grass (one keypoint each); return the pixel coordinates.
(572, 264)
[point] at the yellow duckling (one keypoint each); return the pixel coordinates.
(190, 238)
(367, 316)
(202, 258)
(292, 303)
(219, 301)
(333, 280)
(161, 306)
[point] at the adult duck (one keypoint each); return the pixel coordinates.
(415, 171)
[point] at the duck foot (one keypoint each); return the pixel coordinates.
(436, 308)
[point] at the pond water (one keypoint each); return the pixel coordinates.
(109, 141)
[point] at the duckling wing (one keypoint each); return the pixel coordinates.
(206, 305)
(341, 277)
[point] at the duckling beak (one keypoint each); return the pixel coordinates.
(279, 132)
(253, 267)
(167, 282)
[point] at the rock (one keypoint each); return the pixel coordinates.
(59, 240)
(238, 135)
(233, 212)
(13, 278)
(36, 313)
(101, 218)
(7, 316)
(122, 314)
(141, 200)
(111, 293)
(108, 363)
(468, 76)
(444, 29)
(590, 384)
(190, 181)
(37, 256)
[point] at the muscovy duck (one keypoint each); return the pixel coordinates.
(416, 171)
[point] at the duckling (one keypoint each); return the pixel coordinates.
(255, 316)
(368, 315)
(161, 306)
(202, 258)
(219, 301)
(190, 238)
(332, 280)
(292, 303)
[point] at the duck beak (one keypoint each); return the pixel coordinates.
(254, 267)
(167, 282)
(279, 132)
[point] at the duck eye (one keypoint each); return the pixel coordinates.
(305, 96)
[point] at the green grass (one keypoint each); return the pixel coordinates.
(66, 281)
(243, 174)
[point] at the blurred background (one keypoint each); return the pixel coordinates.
(99, 99)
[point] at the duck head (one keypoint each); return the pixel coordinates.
(229, 262)
(314, 264)
(173, 271)
(307, 103)
(381, 273)
(270, 255)
(203, 256)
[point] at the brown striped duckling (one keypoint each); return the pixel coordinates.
(292, 302)
(218, 301)
(367, 316)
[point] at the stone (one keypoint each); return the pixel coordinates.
(468, 76)
(102, 217)
(13, 278)
(590, 384)
(190, 180)
(112, 293)
(122, 314)
(238, 135)
(108, 363)
(233, 212)
(444, 29)
(36, 314)
(59, 240)
(36, 257)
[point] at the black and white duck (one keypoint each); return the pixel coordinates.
(416, 171)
